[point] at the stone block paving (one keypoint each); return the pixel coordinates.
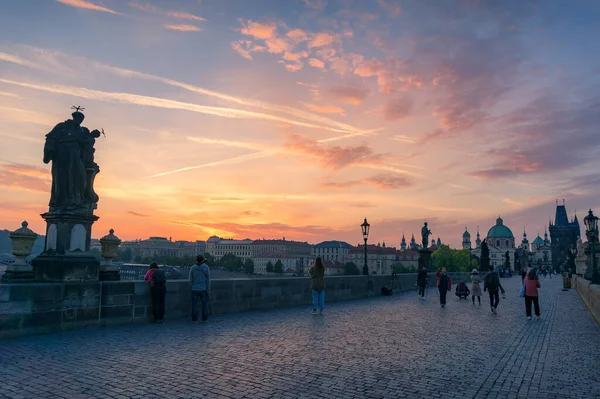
(384, 347)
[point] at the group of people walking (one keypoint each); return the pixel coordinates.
(491, 284)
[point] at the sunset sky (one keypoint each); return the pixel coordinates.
(299, 118)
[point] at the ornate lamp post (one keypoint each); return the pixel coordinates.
(365, 232)
(591, 224)
(110, 245)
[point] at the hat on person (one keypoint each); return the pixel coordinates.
(475, 271)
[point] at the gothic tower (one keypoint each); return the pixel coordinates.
(563, 235)
(403, 243)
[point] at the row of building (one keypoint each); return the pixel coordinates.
(296, 257)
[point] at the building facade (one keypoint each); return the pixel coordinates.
(501, 241)
(379, 258)
(334, 251)
(218, 247)
(163, 247)
(301, 251)
(261, 260)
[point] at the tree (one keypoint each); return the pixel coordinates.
(463, 261)
(350, 269)
(210, 260)
(249, 266)
(442, 258)
(125, 255)
(231, 263)
(269, 267)
(278, 268)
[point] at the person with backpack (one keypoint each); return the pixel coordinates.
(491, 283)
(532, 284)
(476, 286)
(199, 281)
(157, 280)
(422, 282)
(444, 285)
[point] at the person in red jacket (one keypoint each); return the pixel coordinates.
(531, 293)
(444, 285)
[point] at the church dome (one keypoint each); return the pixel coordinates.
(538, 241)
(466, 233)
(500, 230)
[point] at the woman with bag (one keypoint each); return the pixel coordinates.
(317, 285)
(531, 284)
(476, 288)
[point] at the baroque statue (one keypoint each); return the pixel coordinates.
(485, 250)
(70, 147)
(425, 233)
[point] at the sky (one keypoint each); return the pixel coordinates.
(299, 118)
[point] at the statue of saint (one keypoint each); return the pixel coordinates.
(70, 147)
(425, 232)
(485, 250)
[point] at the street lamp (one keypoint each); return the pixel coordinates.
(365, 232)
(591, 224)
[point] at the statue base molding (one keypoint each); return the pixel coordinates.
(58, 268)
(425, 258)
(110, 275)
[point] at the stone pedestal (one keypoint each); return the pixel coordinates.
(22, 243)
(425, 259)
(110, 246)
(67, 254)
(484, 264)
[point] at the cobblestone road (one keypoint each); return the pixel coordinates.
(395, 347)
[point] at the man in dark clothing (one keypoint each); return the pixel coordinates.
(422, 282)
(462, 291)
(491, 283)
(158, 290)
(199, 281)
(444, 285)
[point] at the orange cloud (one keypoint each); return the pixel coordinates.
(382, 181)
(258, 30)
(325, 109)
(392, 7)
(170, 13)
(87, 5)
(184, 15)
(349, 94)
(26, 177)
(322, 39)
(316, 63)
(184, 28)
(297, 35)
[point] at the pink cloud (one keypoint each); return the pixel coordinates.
(349, 94)
(297, 35)
(184, 28)
(322, 39)
(87, 6)
(313, 62)
(289, 56)
(26, 177)
(392, 7)
(325, 109)
(170, 13)
(382, 181)
(259, 30)
(398, 108)
(184, 15)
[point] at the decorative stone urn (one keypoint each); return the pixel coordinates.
(22, 243)
(110, 245)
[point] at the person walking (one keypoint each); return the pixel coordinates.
(317, 285)
(532, 284)
(491, 283)
(422, 282)
(476, 287)
(199, 281)
(157, 280)
(444, 285)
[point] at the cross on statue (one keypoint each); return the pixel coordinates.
(77, 108)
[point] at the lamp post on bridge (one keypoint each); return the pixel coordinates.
(591, 224)
(365, 232)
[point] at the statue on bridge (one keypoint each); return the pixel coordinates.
(425, 233)
(70, 147)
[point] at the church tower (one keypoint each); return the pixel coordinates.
(525, 242)
(546, 240)
(403, 243)
(413, 243)
(563, 235)
(478, 240)
(466, 242)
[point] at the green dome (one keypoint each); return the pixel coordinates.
(466, 233)
(500, 230)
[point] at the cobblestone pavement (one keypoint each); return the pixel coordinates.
(393, 347)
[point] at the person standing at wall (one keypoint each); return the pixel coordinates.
(444, 285)
(317, 285)
(532, 284)
(199, 281)
(157, 281)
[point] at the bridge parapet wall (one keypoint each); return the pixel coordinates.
(590, 295)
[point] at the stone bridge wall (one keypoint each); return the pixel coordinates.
(37, 308)
(590, 295)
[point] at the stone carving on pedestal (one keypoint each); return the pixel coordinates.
(580, 266)
(110, 246)
(67, 257)
(22, 243)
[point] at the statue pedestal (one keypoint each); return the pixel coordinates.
(484, 265)
(18, 274)
(425, 259)
(67, 254)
